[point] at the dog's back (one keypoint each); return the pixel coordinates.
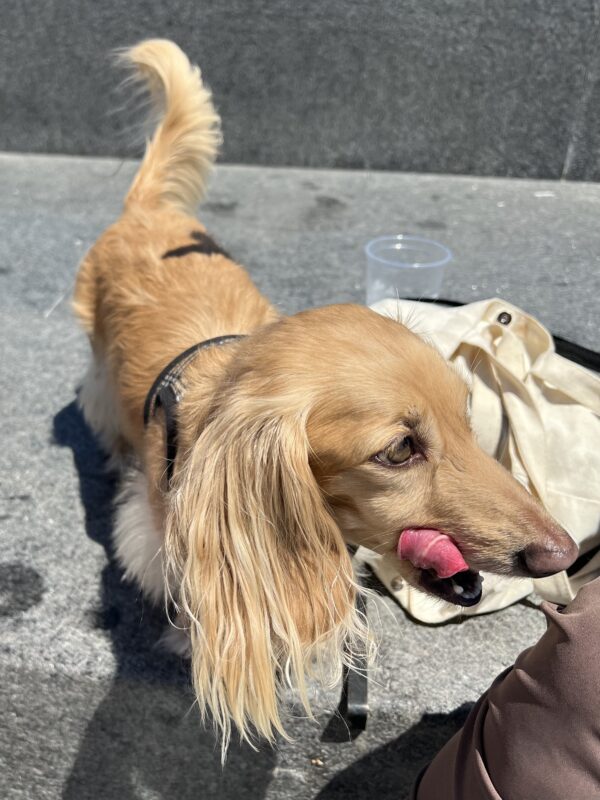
(155, 282)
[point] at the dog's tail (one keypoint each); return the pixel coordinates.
(183, 149)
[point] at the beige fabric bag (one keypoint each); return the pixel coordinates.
(537, 413)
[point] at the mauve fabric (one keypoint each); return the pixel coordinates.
(535, 734)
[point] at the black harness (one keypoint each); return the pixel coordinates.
(203, 244)
(168, 389)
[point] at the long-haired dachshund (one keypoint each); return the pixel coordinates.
(266, 444)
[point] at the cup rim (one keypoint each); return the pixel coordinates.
(404, 264)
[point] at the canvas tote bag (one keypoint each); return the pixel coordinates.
(538, 414)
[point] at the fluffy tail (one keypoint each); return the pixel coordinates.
(183, 149)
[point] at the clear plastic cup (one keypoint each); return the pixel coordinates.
(404, 266)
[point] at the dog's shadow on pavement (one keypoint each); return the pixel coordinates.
(145, 739)
(389, 771)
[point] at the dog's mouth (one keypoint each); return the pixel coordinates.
(442, 568)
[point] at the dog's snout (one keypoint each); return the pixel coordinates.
(547, 557)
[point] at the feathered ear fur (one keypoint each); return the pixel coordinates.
(266, 581)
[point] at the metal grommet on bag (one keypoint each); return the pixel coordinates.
(504, 318)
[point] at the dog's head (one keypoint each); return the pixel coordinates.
(333, 426)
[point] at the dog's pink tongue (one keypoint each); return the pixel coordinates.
(431, 549)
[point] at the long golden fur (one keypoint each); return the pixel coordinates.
(277, 466)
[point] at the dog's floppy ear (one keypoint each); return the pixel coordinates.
(266, 581)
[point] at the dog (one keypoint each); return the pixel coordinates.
(267, 444)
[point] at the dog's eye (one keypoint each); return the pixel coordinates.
(398, 452)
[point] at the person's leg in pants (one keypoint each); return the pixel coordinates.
(535, 734)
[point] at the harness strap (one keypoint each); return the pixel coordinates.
(203, 244)
(168, 389)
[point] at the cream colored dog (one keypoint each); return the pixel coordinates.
(268, 447)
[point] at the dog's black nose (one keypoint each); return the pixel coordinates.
(546, 558)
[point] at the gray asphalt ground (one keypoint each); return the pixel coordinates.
(90, 707)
